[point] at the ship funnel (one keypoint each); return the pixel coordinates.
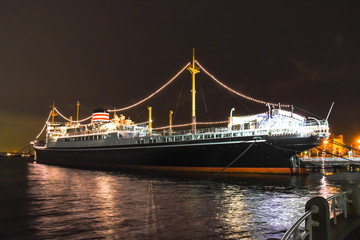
(100, 115)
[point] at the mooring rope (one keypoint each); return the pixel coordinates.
(285, 149)
(230, 164)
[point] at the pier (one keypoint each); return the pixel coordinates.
(335, 164)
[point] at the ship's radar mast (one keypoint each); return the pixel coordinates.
(193, 70)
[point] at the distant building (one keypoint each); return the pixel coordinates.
(328, 149)
(338, 150)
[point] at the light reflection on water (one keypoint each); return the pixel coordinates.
(82, 204)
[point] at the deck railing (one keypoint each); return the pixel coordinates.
(299, 233)
(321, 212)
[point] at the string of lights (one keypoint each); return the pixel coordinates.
(135, 104)
(189, 124)
(173, 126)
(235, 92)
(44, 126)
(210, 123)
(153, 94)
(67, 119)
(165, 85)
(141, 123)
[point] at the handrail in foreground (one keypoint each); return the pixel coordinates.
(319, 215)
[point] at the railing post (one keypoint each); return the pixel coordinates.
(322, 231)
(354, 204)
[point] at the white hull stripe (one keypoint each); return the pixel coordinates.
(144, 147)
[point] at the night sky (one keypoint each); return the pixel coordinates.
(114, 53)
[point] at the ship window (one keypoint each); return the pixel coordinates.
(152, 140)
(178, 138)
(187, 138)
(218, 135)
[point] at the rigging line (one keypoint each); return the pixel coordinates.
(67, 119)
(153, 94)
(141, 113)
(237, 158)
(240, 102)
(188, 124)
(237, 93)
(203, 98)
(44, 125)
(178, 102)
(349, 160)
(308, 112)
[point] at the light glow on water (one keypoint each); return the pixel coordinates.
(80, 204)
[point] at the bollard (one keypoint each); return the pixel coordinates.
(354, 205)
(322, 231)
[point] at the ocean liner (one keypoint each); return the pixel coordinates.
(261, 143)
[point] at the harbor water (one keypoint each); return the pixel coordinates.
(49, 202)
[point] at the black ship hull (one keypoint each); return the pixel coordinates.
(263, 154)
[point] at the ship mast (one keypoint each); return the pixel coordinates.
(193, 70)
(53, 114)
(77, 111)
(150, 121)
